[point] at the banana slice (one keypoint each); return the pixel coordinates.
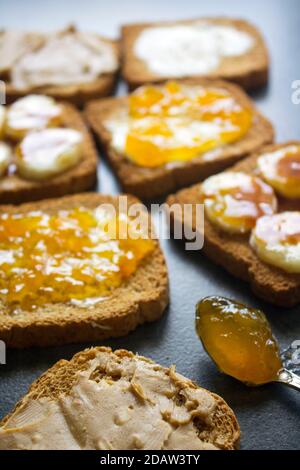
(281, 169)
(234, 201)
(46, 153)
(5, 157)
(2, 120)
(276, 240)
(34, 112)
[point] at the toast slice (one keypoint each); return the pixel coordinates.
(249, 70)
(152, 182)
(83, 176)
(105, 400)
(141, 298)
(77, 94)
(233, 252)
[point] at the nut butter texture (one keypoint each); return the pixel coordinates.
(118, 402)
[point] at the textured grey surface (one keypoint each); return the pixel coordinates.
(269, 415)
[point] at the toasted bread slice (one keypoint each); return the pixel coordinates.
(143, 297)
(77, 94)
(233, 252)
(249, 70)
(83, 176)
(106, 400)
(151, 182)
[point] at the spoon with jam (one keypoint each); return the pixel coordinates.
(240, 342)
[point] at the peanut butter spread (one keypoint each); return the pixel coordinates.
(117, 402)
(67, 58)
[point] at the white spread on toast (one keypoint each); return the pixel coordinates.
(46, 153)
(189, 49)
(15, 44)
(118, 402)
(67, 58)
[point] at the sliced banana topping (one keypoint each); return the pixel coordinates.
(2, 120)
(5, 157)
(233, 201)
(34, 112)
(281, 169)
(46, 153)
(276, 240)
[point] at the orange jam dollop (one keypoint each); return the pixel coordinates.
(177, 122)
(281, 169)
(238, 339)
(69, 256)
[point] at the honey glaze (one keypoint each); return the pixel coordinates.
(235, 200)
(238, 339)
(281, 169)
(177, 123)
(65, 257)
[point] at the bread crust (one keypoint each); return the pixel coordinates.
(77, 94)
(249, 70)
(146, 182)
(233, 252)
(83, 176)
(141, 298)
(59, 379)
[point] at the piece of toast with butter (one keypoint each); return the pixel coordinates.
(225, 48)
(70, 64)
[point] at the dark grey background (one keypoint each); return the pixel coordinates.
(269, 415)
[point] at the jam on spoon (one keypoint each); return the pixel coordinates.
(240, 341)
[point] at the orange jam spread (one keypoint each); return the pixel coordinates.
(69, 256)
(238, 339)
(178, 122)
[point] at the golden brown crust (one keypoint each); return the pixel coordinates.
(152, 182)
(59, 379)
(249, 70)
(142, 298)
(16, 190)
(234, 253)
(78, 95)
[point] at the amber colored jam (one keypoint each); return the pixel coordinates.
(65, 257)
(238, 339)
(177, 123)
